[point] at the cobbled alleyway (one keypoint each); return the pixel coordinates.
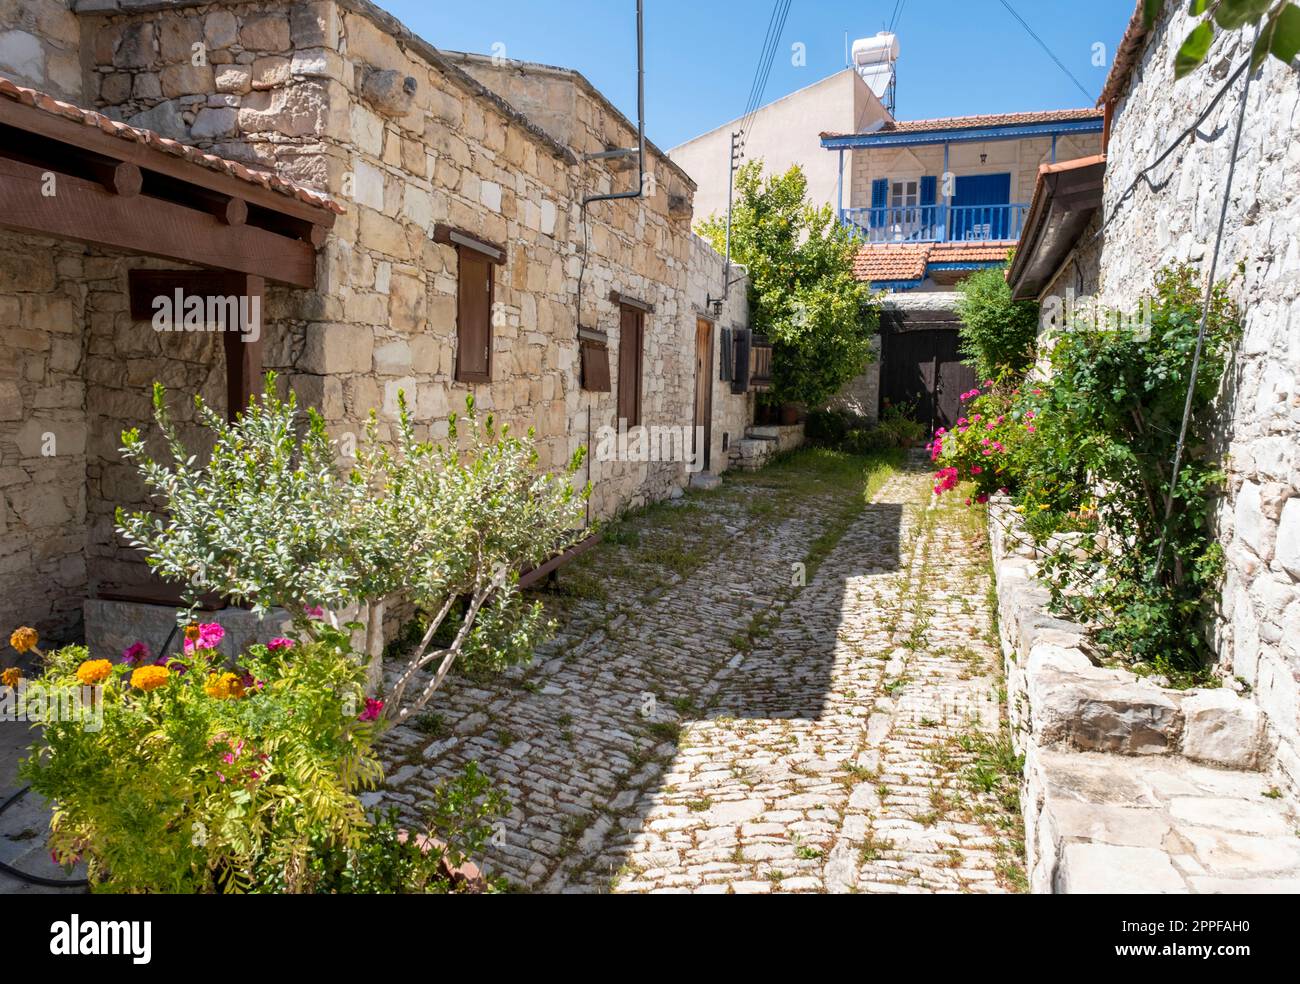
(704, 722)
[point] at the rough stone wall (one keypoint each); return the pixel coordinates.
(732, 412)
(288, 87)
(1173, 217)
(39, 46)
(42, 435)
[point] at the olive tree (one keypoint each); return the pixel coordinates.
(276, 517)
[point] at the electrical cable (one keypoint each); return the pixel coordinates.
(28, 876)
(1043, 44)
(1205, 317)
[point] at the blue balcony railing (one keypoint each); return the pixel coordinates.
(935, 223)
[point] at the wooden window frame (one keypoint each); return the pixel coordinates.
(489, 254)
(638, 314)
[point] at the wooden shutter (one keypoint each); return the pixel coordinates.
(726, 361)
(630, 331)
(760, 363)
(473, 317)
(595, 365)
(741, 344)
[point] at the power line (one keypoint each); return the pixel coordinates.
(780, 11)
(899, 7)
(759, 80)
(1043, 44)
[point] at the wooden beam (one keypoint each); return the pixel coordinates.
(148, 158)
(244, 352)
(84, 211)
(119, 177)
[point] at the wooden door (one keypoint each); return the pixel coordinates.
(630, 330)
(704, 388)
(921, 366)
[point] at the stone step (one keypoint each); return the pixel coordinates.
(705, 480)
(1160, 825)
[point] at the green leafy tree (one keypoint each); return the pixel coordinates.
(997, 333)
(1278, 31)
(802, 292)
(277, 517)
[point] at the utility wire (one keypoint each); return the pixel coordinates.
(898, 15)
(776, 25)
(752, 100)
(1052, 55)
(1205, 317)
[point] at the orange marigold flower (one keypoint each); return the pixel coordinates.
(24, 638)
(93, 671)
(11, 676)
(192, 632)
(224, 686)
(150, 677)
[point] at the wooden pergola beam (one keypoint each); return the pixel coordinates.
(86, 212)
(92, 139)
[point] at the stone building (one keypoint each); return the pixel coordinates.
(1160, 209)
(410, 220)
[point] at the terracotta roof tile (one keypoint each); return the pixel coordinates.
(891, 261)
(975, 252)
(1126, 57)
(879, 262)
(991, 119)
(48, 104)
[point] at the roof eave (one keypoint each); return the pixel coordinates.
(1065, 199)
(890, 138)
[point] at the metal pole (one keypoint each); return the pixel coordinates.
(731, 174)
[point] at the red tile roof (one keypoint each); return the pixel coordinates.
(1126, 57)
(879, 262)
(47, 103)
(891, 261)
(972, 252)
(991, 119)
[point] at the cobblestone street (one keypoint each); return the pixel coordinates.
(701, 723)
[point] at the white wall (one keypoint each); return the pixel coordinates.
(783, 133)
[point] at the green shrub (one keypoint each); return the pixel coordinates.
(1097, 466)
(997, 333)
(204, 777)
(802, 292)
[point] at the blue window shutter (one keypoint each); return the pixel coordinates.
(929, 189)
(879, 199)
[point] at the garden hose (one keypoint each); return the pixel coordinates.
(26, 876)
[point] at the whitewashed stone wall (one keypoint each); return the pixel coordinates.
(732, 412)
(1172, 218)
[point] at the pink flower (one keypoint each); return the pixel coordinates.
(1030, 427)
(314, 611)
(371, 713)
(278, 643)
(988, 382)
(135, 653)
(210, 636)
(982, 497)
(975, 469)
(984, 441)
(1003, 491)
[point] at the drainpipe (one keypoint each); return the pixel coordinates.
(639, 149)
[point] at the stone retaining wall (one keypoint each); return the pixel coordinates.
(1172, 216)
(1083, 727)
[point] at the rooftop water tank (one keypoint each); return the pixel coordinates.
(874, 59)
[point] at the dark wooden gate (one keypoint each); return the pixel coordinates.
(920, 365)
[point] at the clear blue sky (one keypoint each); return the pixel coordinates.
(957, 56)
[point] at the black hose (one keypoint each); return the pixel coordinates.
(27, 876)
